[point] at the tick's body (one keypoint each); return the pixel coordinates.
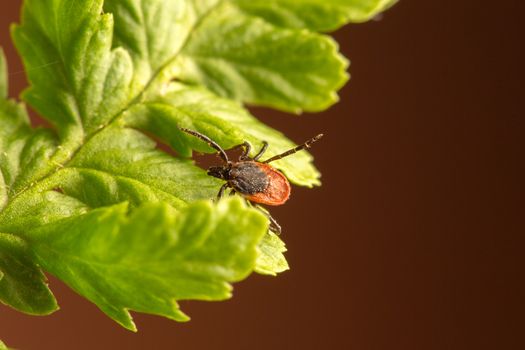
(256, 181)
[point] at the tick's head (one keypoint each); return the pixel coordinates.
(220, 172)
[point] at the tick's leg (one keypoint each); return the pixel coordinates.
(246, 148)
(232, 192)
(246, 153)
(261, 152)
(306, 145)
(209, 141)
(274, 226)
(221, 191)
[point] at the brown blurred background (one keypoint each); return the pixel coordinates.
(411, 243)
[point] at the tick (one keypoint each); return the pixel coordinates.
(257, 181)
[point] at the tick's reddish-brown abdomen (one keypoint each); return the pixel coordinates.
(278, 190)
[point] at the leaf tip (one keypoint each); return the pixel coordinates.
(50, 308)
(125, 320)
(3, 75)
(176, 314)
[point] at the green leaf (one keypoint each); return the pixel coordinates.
(3, 346)
(94, 200)
(52, 185)
(152, 31)
(271, 260)
(248, 59)
(317, 15)
(22, 285)
(223, 120)
(153, 257)
(24, 152)
(77, 81)
(122, 164)
(23, 158)
(235, 50)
